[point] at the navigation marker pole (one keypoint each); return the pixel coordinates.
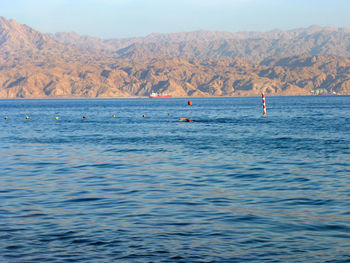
(264, 105)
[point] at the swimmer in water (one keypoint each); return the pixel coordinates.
(186, 119)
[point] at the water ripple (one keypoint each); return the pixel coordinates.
(230, 187)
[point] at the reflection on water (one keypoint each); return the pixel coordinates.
(230, 187)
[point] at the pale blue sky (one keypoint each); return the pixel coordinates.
(132, 18)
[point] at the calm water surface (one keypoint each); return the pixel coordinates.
(231, 187)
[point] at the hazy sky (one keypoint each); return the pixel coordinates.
(129, 18)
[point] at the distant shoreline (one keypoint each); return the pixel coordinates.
(146, 97)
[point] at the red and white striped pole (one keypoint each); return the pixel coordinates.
(264, 105)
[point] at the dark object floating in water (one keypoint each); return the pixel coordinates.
(186, 119)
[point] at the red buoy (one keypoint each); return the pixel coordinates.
(189, 103)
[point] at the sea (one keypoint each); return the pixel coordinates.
(142, 186)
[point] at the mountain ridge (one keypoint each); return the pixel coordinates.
(307, 61)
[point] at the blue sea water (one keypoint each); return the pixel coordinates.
(232, 186)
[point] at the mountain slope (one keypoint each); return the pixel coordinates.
(17, 37)
(208, 44)
(300, 75)
(202, 63)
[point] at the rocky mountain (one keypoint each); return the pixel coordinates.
(15, 37)
(253, 46)
(202, 63)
